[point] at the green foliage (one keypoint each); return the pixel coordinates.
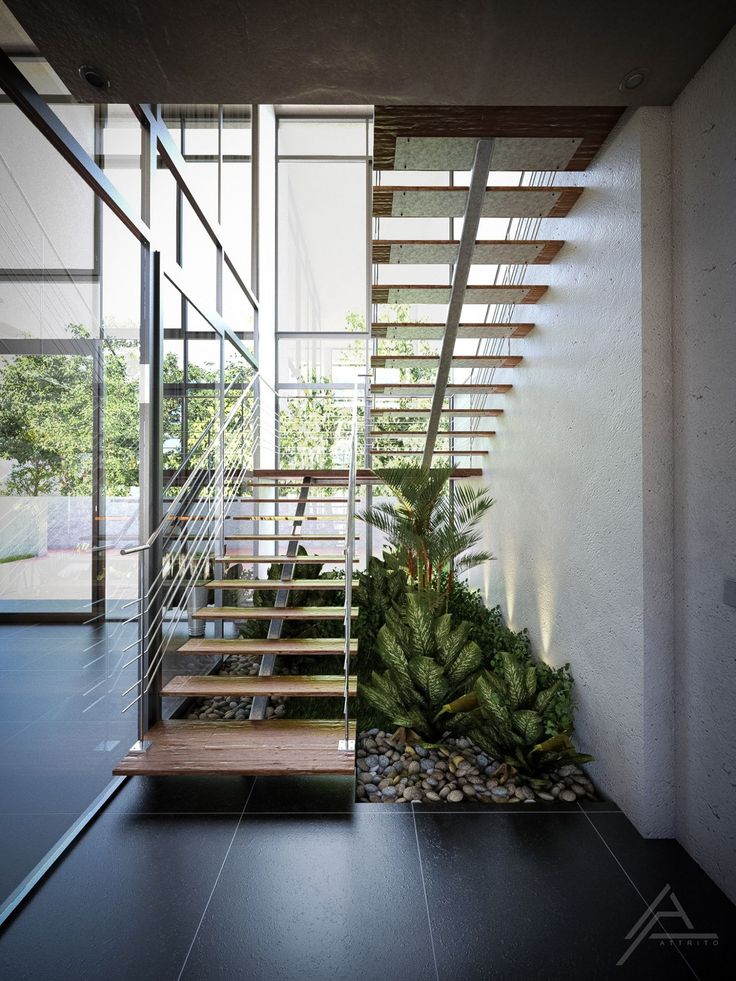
(258, 629)
(17, 558)
(46, 407)
(428, 661)
(517, 705)
(426, 530)
(559, 716)
(488, 630)
(314, 428)
(46, 416)
(382, 588)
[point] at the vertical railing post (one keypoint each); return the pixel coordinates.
(151, 490)
(347, 744)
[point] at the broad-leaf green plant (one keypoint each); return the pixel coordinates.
(428, 660)
(511, 714)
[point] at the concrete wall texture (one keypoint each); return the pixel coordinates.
(704, 321)
(613, 563)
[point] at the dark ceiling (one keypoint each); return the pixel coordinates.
(453, 52)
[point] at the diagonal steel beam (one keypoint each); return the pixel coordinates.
(268, 661)
(471, 220)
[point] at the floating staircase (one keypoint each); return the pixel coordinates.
(435, 143)
(260, 745)
(435, 403)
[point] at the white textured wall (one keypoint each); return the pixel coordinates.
(581, 474)
(704, 209)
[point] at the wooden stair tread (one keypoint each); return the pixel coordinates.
(293, 500)
(451, 434)
(462, 413)
(288, 517)
(458, 360)
(303, 686)
(284, 560)
(341, 475)
(436, 331)
(436, 293)
(291, 484)
(525, 137)
(305, 536)
(275, 584)
(551, 201)
(388, 451)
(493, 252)
(298, 646)
(364, 476)
(419, 390)
(296, 747)
(271, 613)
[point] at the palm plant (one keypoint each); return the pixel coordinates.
(428, 532)
(427, 660)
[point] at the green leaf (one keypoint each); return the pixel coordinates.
(528, 724)
(428, 676)
(392, 654)
(543, 700)
(514, 676)
(468, 660)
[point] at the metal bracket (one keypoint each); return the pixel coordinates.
(346, 746)
(141, 746)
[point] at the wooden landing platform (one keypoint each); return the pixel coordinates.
(288, 747)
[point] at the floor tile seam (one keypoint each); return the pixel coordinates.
(214, 887)
(638, 891)
(426, 897)
(336, 813)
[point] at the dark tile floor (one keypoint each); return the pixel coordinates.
(226, 878)
(62, 731)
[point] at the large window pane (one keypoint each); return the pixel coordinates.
(322, 137)
(69, 494)
(321, 254)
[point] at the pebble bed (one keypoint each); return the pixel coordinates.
(454, 772)
(236, 708)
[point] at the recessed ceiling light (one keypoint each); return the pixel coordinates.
(633, 79)
(94, 77)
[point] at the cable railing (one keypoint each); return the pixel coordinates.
(220, 474)
(208, 481)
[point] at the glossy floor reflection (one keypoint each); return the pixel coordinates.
(199, 878)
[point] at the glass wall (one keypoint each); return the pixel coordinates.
(323, 175)
(74, 336)
(321, 338)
